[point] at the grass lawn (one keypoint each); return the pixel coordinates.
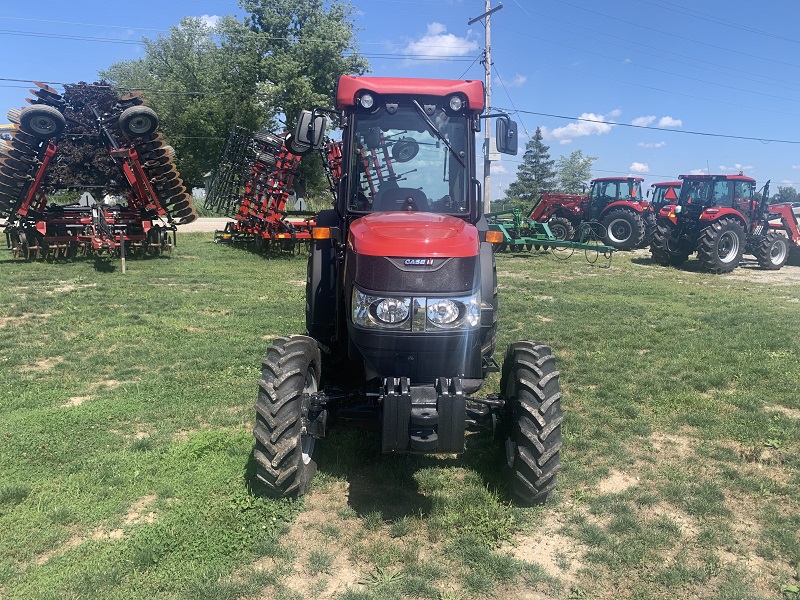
(126, 407)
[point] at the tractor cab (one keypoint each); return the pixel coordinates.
(663, 193)
(615, 191)
(699, 193)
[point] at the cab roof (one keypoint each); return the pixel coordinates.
(618, 179)
(666, 184)
(708, 177)
(349, 88)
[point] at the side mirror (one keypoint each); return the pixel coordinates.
(310, 130)
(506, 136)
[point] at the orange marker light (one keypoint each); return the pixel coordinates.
(494, 237)
(321, 233)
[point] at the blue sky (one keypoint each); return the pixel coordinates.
(716, 68)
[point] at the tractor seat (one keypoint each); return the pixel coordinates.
(397, 199)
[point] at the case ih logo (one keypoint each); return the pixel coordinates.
(418, 262)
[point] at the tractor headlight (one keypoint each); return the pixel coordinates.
(453, 313)
(415, 314)
(374, 311)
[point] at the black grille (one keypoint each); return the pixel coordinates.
(382, 274)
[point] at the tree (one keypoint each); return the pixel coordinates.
(201, 80)
(534, 176)
(786, 194)
(574, 172)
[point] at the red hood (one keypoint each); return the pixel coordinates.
(413, 235)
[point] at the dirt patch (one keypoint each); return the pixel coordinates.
(307, 536)
(19, 318)
(75, 401)
(561, 556)
(792, 413)
(788, 275)
(139, 511)
(108, 384)
(71, 543)
(616, 483)
(69, 287)
(673, 444)
(45, 364)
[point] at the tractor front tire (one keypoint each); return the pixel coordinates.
(562, 229)
(532, 417)
(283, 448)
(625, 229)
(660, 248)
(721, 245)
(772, 251)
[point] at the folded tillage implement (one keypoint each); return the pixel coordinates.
(123, 131)
(253, 184)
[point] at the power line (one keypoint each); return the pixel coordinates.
(683, 131)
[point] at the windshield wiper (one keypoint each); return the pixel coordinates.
(436, 132)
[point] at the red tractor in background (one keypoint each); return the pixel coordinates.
(659, 194)
(721, 218)
(615, 210)
(401, 297)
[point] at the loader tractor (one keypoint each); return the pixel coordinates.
(720, 217)
(614, 211)
(401, 298)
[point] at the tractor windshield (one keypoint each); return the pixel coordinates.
(402, 162)
(605, 192)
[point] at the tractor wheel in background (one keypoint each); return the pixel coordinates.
(661, 247)
(650, 221)
(532, 417)
(721, 245)
(772, 251)
(624, 229)
(561, 228)
(41, 121)
(137, 121)
(283, 448)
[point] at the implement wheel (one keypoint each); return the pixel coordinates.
(772, 251)
(41, 121)
(533, 418)
(721, 245)
(137, 121)
(283, 447)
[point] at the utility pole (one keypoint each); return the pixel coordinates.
(487, 65)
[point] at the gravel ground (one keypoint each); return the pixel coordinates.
(208, 224)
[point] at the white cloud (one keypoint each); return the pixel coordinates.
(698, 172)
(637, 167)
(643, 121)
(498, 168)
(735, 168)
(796, 166)
(652, 144)
(210, 20)
(437, 43)
(669, 122)
(592, 124)
(614, 113)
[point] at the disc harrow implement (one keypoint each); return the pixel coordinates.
(57, 136)
(253, 184)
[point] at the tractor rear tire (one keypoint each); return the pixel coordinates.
(41, 121)
(772, 251)
(533, 417)
(562, 229)
(721, 245)
(283, 450)
(625, 229)
(660, 248)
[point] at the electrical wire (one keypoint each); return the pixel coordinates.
(682, 131)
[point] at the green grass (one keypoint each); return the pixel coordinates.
(125, 444)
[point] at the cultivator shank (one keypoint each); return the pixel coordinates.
(156, 201)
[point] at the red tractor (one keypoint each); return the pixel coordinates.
(721, 218)
(659, 194)
(615, 210)
(401, 298)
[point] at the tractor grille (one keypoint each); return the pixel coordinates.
(382, 274)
